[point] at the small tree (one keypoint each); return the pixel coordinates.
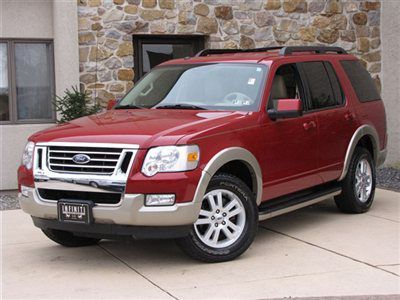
(74, 104)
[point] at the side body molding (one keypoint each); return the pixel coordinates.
(223, 157)
(365, 130)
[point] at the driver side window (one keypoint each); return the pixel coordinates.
(286, 85)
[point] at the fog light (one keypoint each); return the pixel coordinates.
(25, 191)
(160, 200)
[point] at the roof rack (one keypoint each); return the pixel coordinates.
(317, 49)
(206, 52)
(284, 50)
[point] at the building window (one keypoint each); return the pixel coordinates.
(26, 81)
(151, 50)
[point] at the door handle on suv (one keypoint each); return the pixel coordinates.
(349, 116)
(309, 125)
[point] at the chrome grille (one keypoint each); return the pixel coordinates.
(103, 161)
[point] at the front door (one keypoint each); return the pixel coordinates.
(290, 147)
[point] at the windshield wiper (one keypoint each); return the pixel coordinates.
(179, 106)
(128, 106)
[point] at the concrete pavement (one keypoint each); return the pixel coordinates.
(314, 252)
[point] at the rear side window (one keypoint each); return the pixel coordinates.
(361, 81)
(322, 92)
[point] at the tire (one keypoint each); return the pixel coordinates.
(68, 239)
(358, 187)
(235, 221)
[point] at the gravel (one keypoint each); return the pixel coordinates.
(387, 178)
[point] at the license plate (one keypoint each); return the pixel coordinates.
(75, 212)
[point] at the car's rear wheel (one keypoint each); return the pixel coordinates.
(68, 239)
(358, 187)
(227, 222)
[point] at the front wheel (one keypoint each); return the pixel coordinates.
(358, 187)
(227, 223)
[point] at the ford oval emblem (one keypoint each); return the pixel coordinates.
(81, 159)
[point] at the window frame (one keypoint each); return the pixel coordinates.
(12, 84)
(308, 107)
(197, 41)
(298, 78)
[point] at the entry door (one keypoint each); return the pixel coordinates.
(152, 50)
(290, 160)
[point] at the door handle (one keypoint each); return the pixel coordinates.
(349, 116)
(309, 125)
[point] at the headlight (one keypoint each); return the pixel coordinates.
(27, 156)
(171, 159)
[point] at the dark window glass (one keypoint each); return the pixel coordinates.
(361, 80)
(155, 54)
(33, 80)
(337, 89)
(319, 85)
(152, 50)
(4, 90)
(286, 85)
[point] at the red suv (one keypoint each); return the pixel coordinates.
(202, 148)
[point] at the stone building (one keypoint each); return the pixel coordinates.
(104, 46)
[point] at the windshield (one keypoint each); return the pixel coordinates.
(220, 86)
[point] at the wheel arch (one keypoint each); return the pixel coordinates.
(366, 136)
(225, 157)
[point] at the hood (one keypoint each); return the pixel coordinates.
(145, 127)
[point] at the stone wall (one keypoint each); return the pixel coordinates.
(106, 28)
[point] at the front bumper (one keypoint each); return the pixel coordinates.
(129, 211)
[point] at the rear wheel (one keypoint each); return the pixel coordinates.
(358, 187)
(68, 239)
(227, 223)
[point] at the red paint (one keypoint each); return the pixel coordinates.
(293, 153)
(289, 105)
(111, 103)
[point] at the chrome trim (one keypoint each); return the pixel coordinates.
(114, 181)
(358, 134)
(262, 217)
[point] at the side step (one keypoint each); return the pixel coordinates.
(282, 205)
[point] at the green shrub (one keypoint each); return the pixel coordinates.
(74, 104)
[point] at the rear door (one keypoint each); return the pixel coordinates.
(335, 118)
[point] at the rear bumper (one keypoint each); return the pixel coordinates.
(129, 211)
(112, 231)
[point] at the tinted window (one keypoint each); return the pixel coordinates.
(337, 89)
(320, 88)
(361, 80)
(286, 85)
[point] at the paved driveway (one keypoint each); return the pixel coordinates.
(316, 251)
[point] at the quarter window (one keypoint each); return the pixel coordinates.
(319, 84)
(361, 81)
(26, 81)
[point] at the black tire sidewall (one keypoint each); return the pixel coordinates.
(236, 186)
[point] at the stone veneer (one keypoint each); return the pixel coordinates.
(106, 28)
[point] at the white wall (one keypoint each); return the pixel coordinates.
(391, 75)
(57, 20)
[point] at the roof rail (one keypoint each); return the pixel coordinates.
(206, 52)
(317, 49)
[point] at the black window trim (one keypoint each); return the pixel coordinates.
(12, 87)
(307, 108)
(197, 40)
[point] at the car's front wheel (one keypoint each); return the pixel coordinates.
(227, 222)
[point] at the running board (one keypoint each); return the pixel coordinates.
(280, 206)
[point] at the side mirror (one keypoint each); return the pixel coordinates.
(286, 108)
(111, 103)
